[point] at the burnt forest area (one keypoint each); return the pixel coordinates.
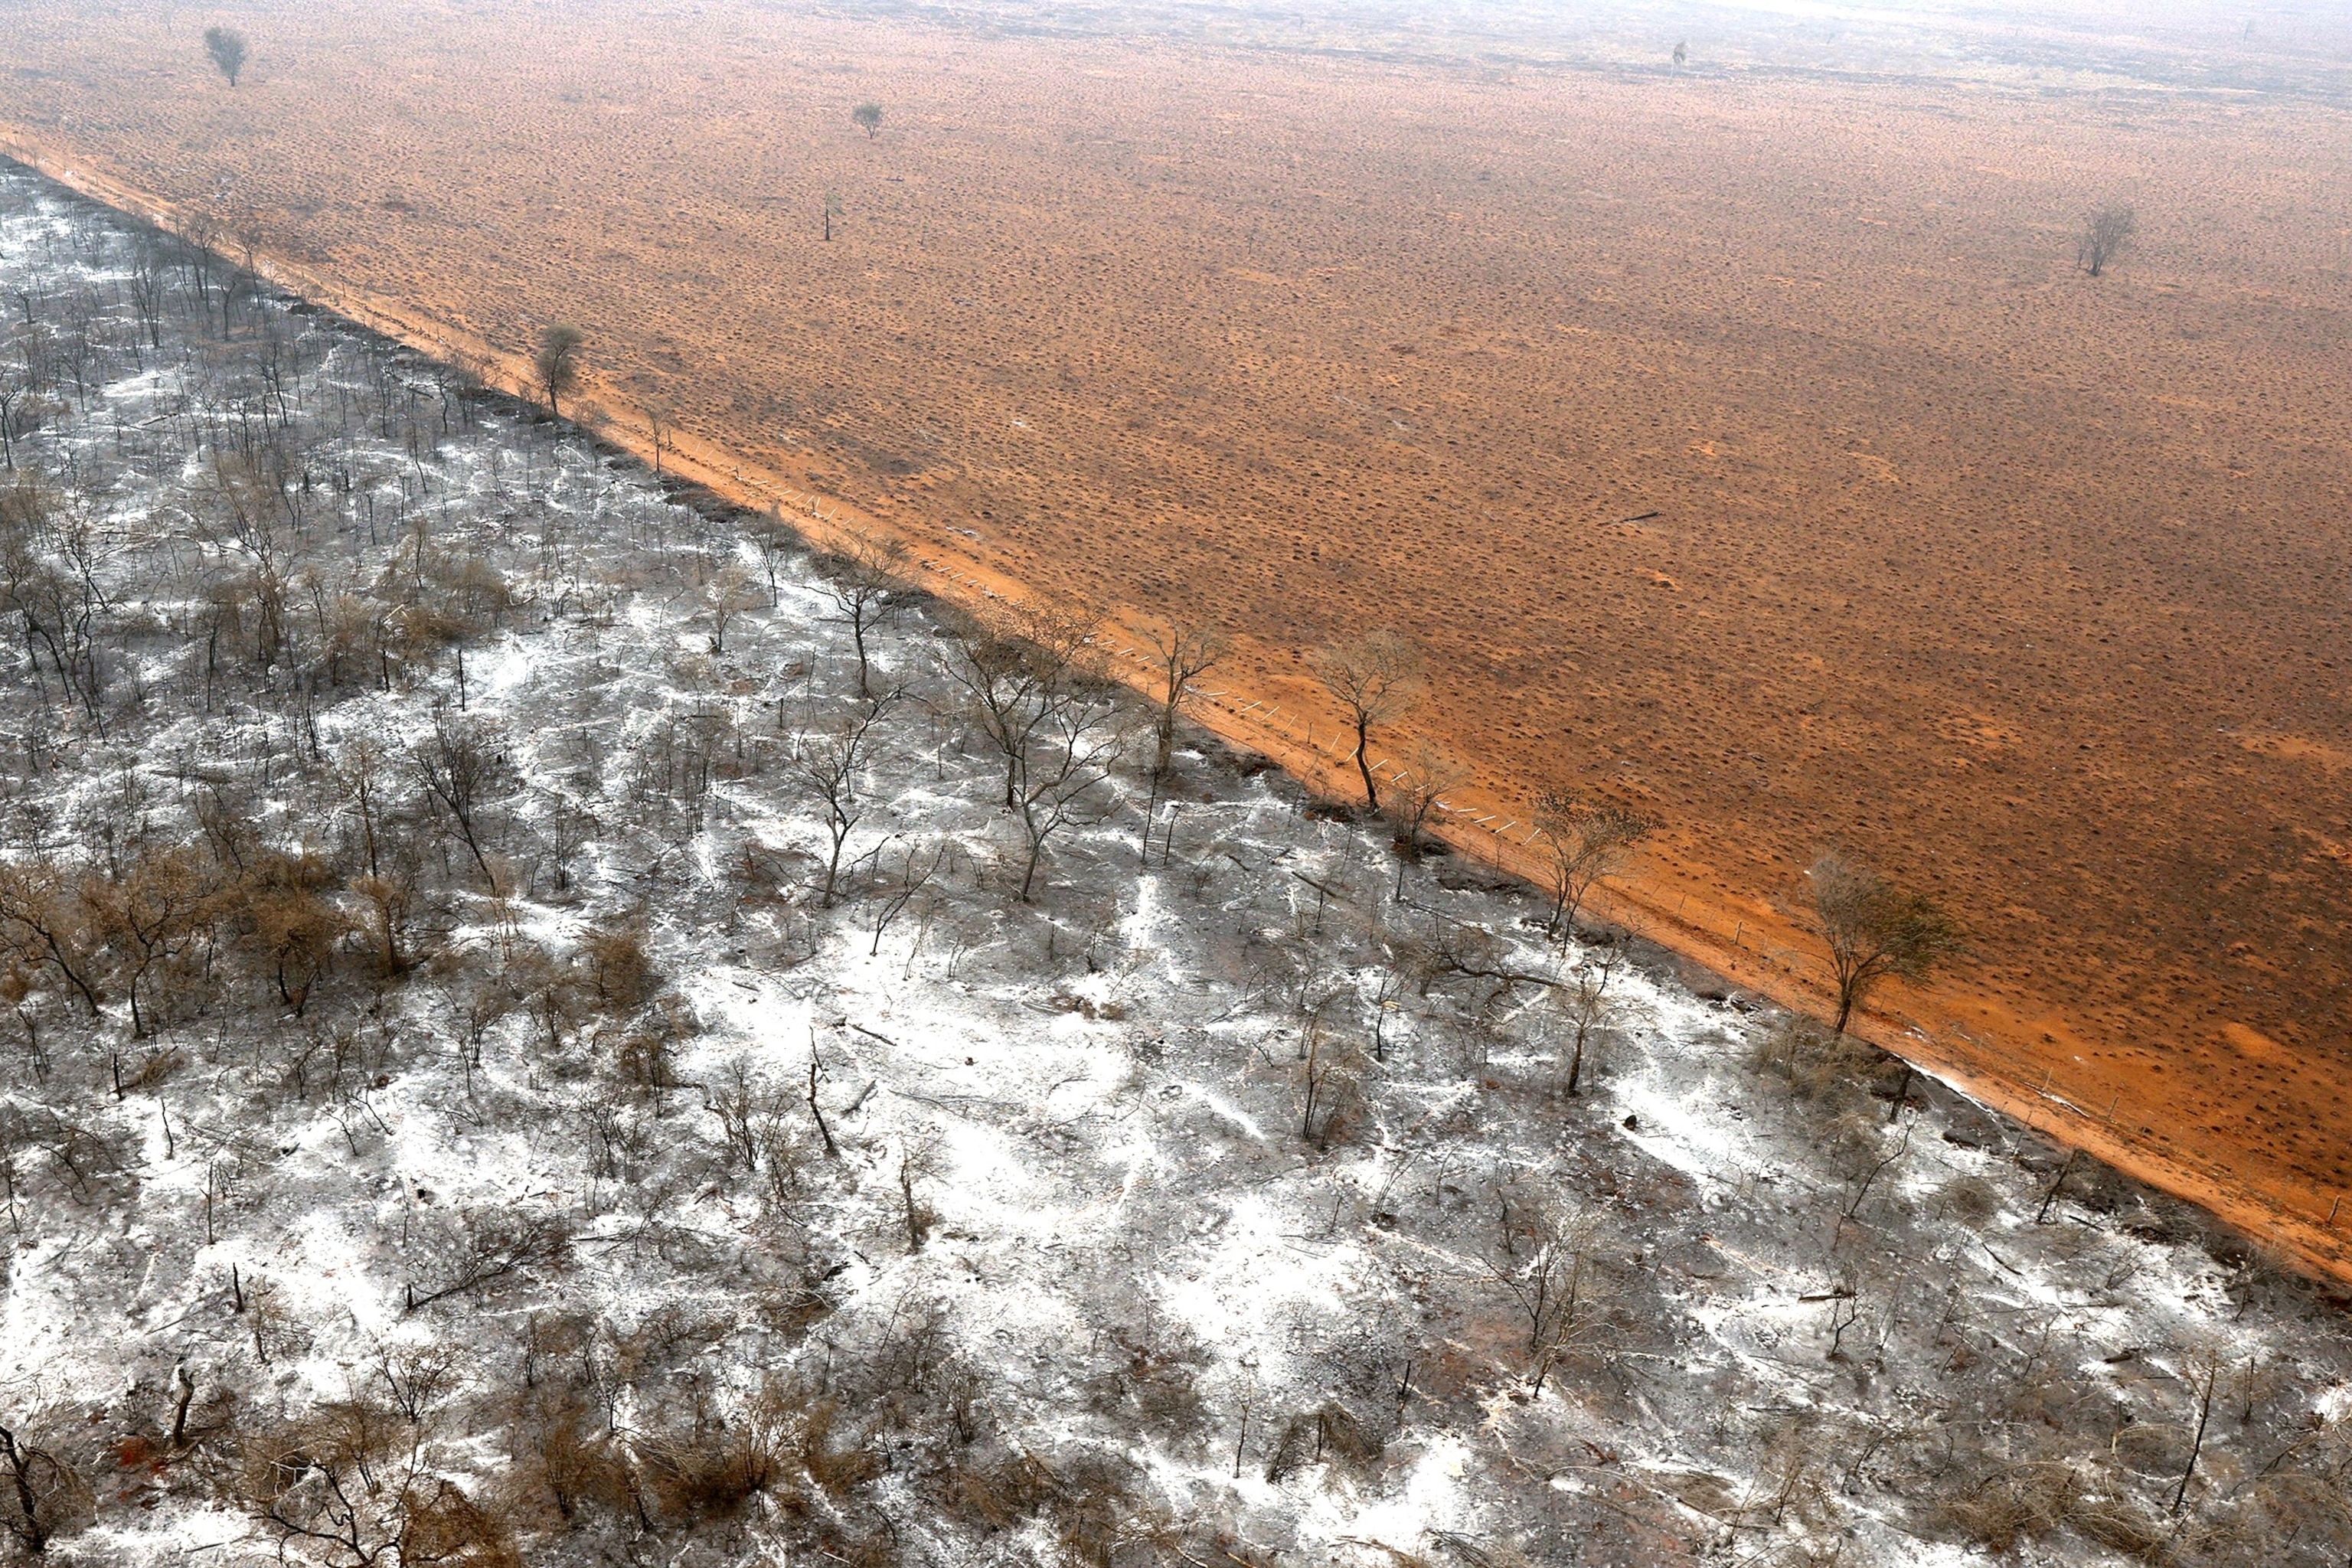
(548, 1021)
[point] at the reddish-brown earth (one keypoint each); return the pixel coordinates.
(2031, 588)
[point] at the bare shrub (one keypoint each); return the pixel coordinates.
(1154, 1376)
(1970, 1199)
(620, 971)
(716, 1471)
(1419, 794)
(490, 1246)
(40, 1494)
(1329, 1430)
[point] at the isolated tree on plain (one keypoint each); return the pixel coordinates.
(226, 47)
(2105, 233)
(833, 210)
(870, 116)
(1874, 931)
(1377, 678)
(1180, 655)
(1583, 845)
(1681, 54)
(556, 366)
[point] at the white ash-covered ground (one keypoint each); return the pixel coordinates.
(445, 1119)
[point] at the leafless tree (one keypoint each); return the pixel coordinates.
(1583, 845)
(1013, 677)
(828, 766)
(1587, 1007)
(728, 595)
(1181, 654)
(1377, 677)
(459, 765)
(867, 582)
(555, 366)
(1543, 1260)
(1418, 794)
(227, 48)
(17, 394)
(1874, 931)
(35, 1481)
(661, 429)
(1068, 755)
(916, 872)
(774, 540)
(2105, 233)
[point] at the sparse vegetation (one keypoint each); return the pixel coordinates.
(869, 116)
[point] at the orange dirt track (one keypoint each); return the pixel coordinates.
(2030, 588)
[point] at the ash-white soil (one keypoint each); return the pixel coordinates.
(445, 1120)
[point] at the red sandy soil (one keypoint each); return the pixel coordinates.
(2031, 589)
